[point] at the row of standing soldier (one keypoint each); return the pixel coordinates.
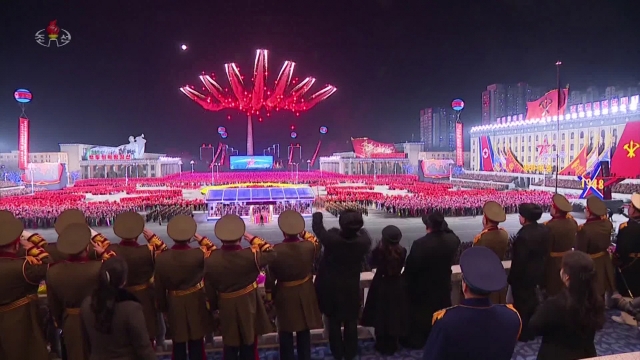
(183, 283)
(538, 250)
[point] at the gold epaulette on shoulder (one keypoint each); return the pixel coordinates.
(623, 225)
(510, 306)
(569, 216)
(33, 261)
(580, 227)
(546, 222)
(439, 315)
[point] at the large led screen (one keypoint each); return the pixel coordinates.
(251, 162)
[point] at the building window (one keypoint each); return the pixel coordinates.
(537, 137)
(523, 149)
(581, 134)
(571, 147)
(554, 136)
(572, 135)
(563, 136)
(529, 159)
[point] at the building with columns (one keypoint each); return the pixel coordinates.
(130, 160)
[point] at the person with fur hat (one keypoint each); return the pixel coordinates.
(69, 282)
(495, 238)
(428, 276)
(289, 284)
(21, 334)
(594, 238)
(627, 253)
(338, 279)
(128, 226)
(563, 229)
(230, 282)
(386, 309)
(179, 289)
(529, 253)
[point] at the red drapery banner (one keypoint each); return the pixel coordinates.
(578, 166)
(459, 145)
(547, 105)
(512, 164)
(366, 148)
(23, 143)
(626, 159)
(217, 153)
(315, 154)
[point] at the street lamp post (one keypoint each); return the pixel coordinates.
(180, 167)
(558, 63)
(31, 171)
(308, 165)
(211, 172)
(192, 162)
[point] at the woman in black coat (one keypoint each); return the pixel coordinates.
(568, 321)
(386, 309)
(428, 276)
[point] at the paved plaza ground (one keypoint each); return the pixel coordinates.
(412, 228)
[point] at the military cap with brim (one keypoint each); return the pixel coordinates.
(635, 201)
(10, 231)
(6, 215)
(230, 228)
(291, 222)
(70, 216)
(74, 239)
(530, 212)
(128, 225)
(561, 202)
(494, 211)
(182, 228)
(482, 270)
(596, 206)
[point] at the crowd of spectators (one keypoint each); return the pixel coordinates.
(621, 188)
(507, 179)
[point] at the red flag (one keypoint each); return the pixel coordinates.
(626, 159)
(486, 155)
(547, 105)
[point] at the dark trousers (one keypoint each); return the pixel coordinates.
(343, 345)
(303, 345)
(242, 352)
(386, 344)
(195, 348)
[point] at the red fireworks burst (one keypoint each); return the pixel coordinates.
(282, 97)
(251, 101)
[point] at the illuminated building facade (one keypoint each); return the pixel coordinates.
(607, 130)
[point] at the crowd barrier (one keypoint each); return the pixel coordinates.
(320, 335)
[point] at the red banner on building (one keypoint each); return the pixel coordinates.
(578, 166)
(626, 159)
(368, 149)
(23, 143)
(547, 105)
(512, 164)
(486, 154)
(459, 145)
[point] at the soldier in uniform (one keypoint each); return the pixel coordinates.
(128, 226)
(290, 283)
(476, 329)
(69, 282)
(230, 279)
(21, 333)
(180, 290)
(495, 238)
(594, 238)
(627, 254)
(563, 229)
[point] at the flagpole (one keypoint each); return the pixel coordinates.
(558, 63)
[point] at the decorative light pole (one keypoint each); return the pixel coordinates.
(558, 63)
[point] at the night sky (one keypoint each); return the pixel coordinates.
(120, 73)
